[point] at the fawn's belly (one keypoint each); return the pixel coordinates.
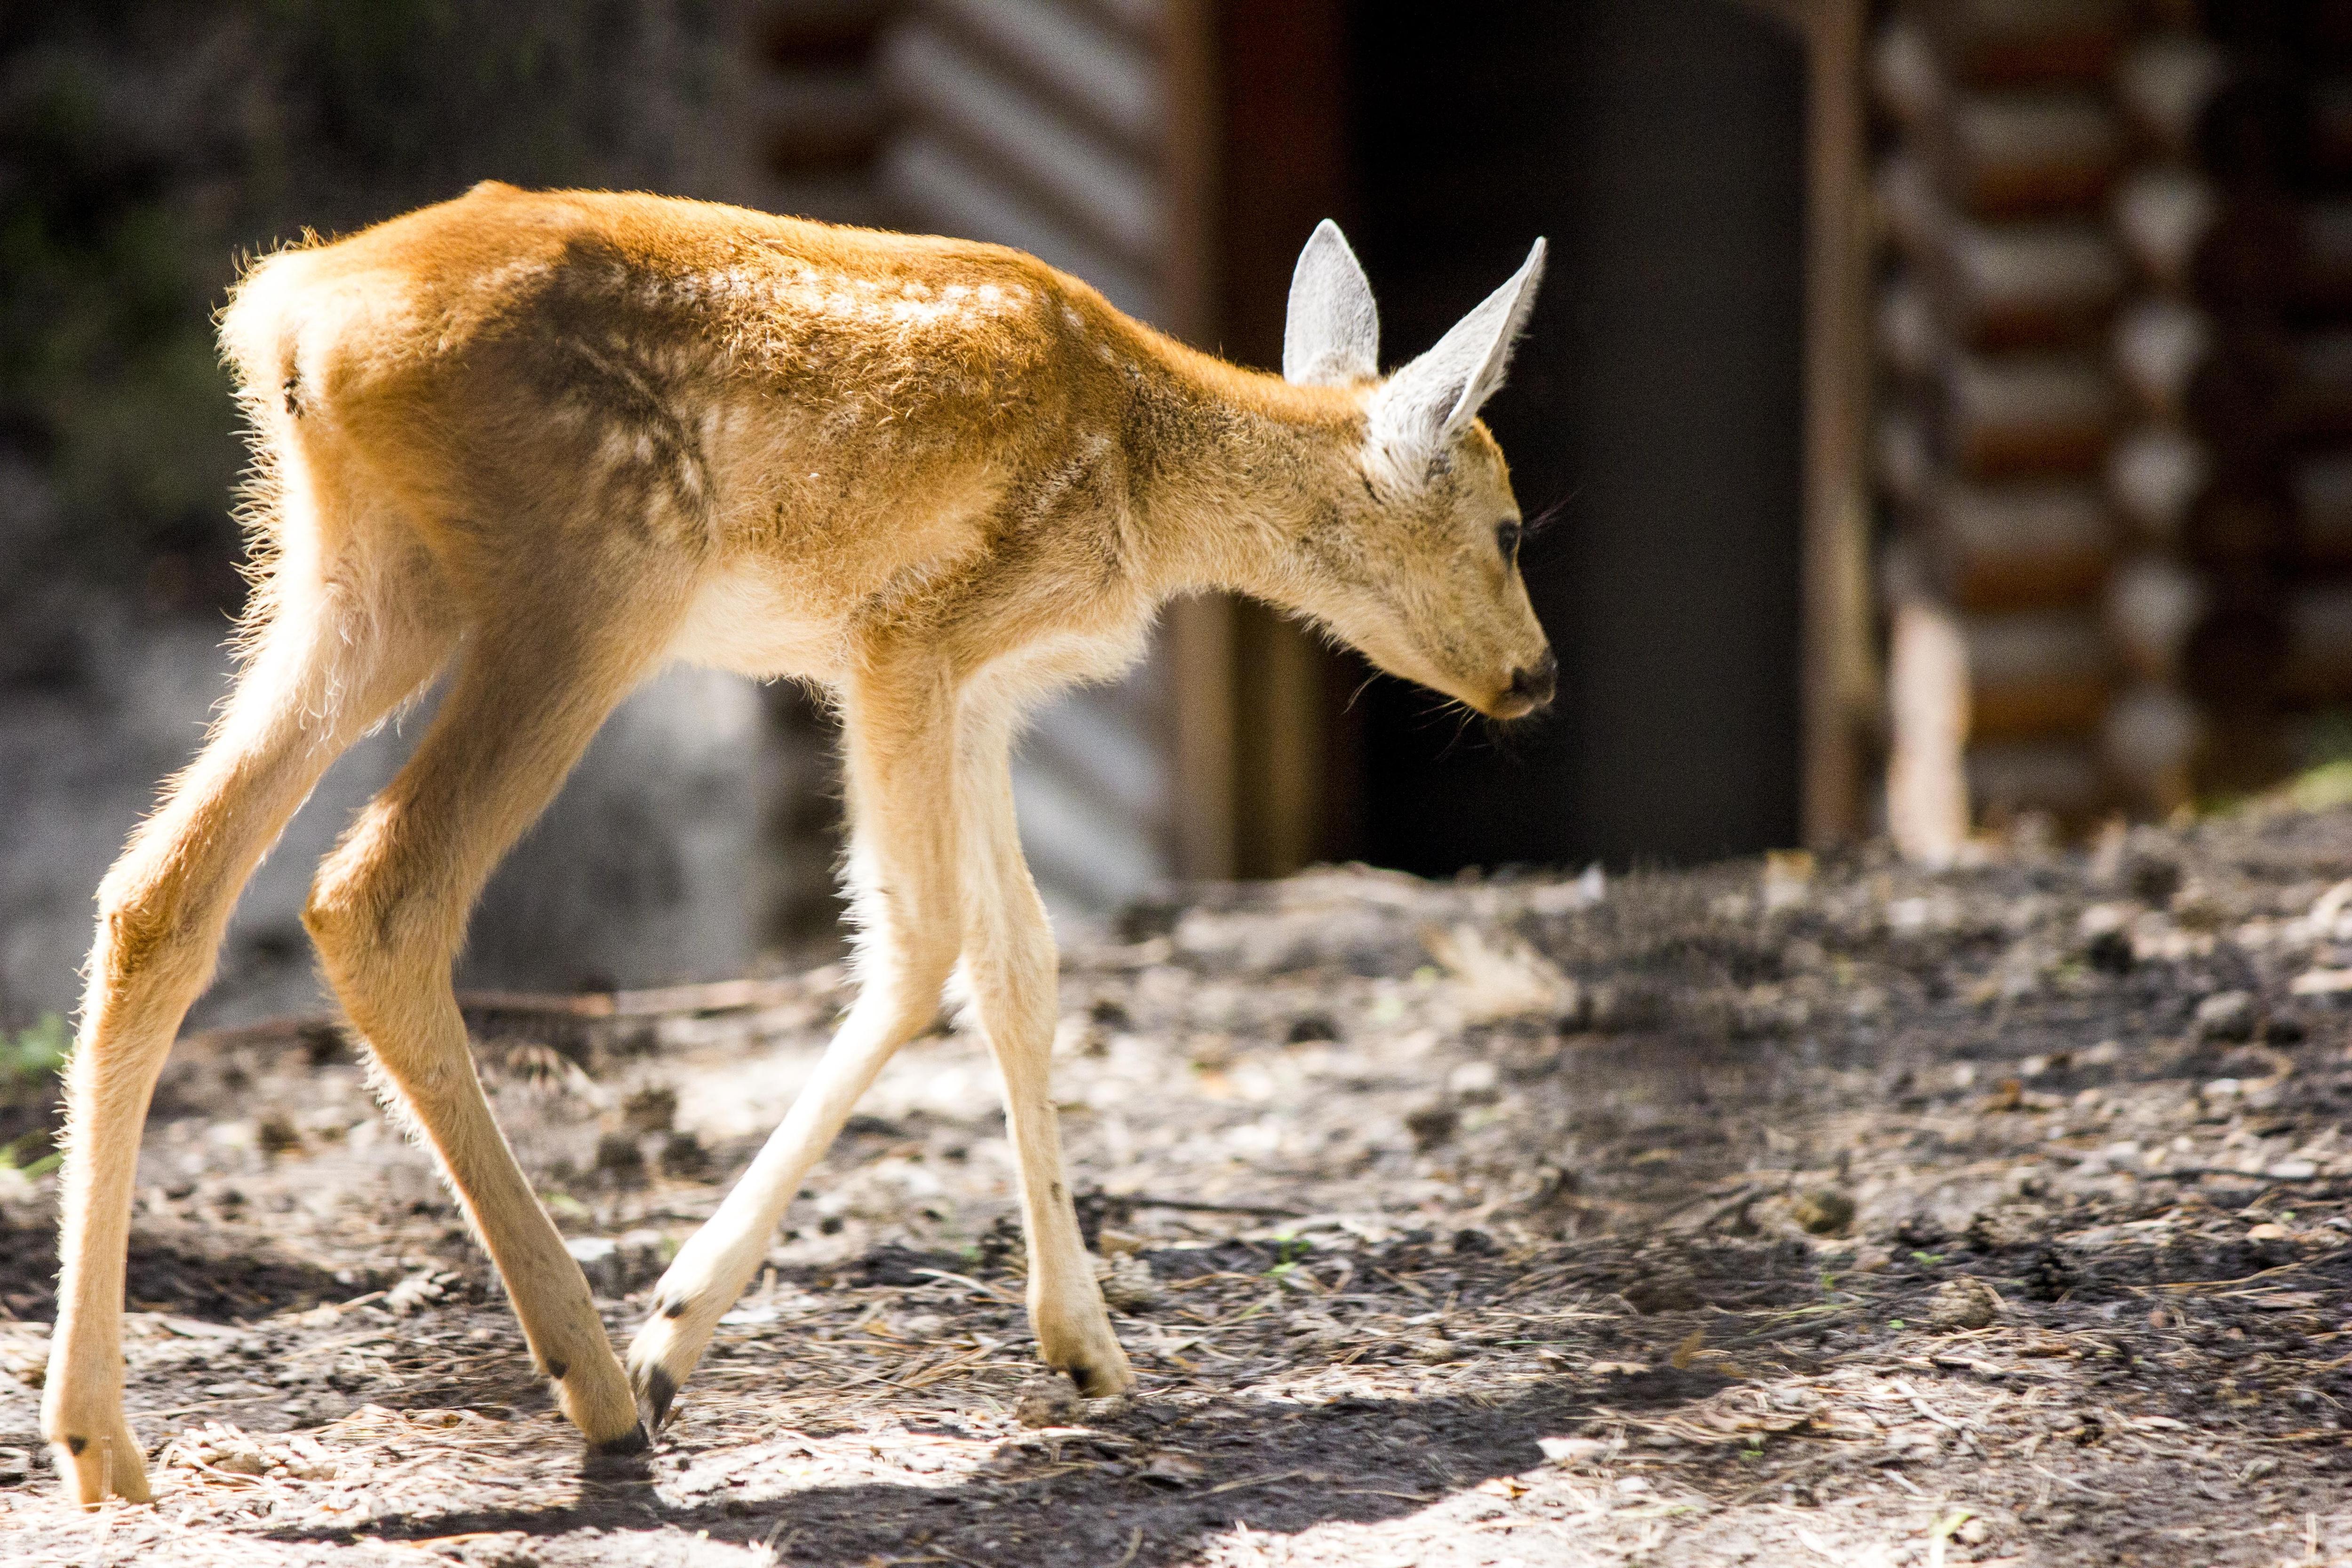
(741, 620)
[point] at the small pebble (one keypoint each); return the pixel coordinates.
(1128, 1285)
(1433, 1123)
(1575, 1450)
(2226, 1016)
(1824, 1211)
(1963, 1303)
(1047, 1401)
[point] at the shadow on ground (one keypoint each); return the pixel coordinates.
(1145, 1487)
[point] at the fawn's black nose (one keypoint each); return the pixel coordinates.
(1538, 684)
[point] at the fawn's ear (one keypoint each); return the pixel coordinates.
(1332, 337)
(1418, 411)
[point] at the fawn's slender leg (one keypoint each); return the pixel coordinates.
(1011, 965)
(388, 912)
(327, 666)
(899, 753)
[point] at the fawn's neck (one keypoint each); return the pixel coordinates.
(1233, 467)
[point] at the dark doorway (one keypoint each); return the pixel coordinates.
(1655, 402)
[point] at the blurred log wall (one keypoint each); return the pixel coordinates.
(2114, 350)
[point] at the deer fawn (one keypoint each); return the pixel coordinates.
(556, 440)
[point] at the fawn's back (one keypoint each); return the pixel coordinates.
(828, 423)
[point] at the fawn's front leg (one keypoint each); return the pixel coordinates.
(1010, 962)
(899, 751)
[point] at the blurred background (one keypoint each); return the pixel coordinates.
(1942, 413)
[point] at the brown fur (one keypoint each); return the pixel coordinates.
(558, 439)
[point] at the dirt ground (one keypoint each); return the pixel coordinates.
(1768, 1213)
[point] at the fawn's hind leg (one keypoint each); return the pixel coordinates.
(388, 914)
(327, 666)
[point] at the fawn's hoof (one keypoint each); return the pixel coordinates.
(656, 1389)
(96, 1469)
(594, 1397)
(633, 1441)
(1096, 1365)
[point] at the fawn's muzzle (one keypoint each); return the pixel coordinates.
(1534, 685)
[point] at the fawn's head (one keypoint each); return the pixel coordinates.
(1416, 561)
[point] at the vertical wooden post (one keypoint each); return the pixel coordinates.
(1199, 631)
(1840, 680)
(1837, 666)
(1257, 154)
(1283, 97)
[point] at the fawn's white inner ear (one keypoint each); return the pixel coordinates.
(1423, 406)
(1332, 334)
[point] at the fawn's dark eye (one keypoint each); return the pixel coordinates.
(1506, 539)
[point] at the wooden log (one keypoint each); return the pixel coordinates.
(2162, 216)
(2154, 605)
(2015, 546)
(2035, 673)
(2194, 100)
(1145, 21)
(2164, 84)
(2155, 476)
(2020, 152)
(2060, 777)
(2151, 743)
(1905, 74)
(2244, 752)
(2023, 153)
(2160, 344)
(2245, 395)
(2025, 285)
(2281, 118)
(2018, 42)
(2175, 491)
(2020, 415)
(1904, 207)
(1904, 327)
(2003, 152)
(2255, 253)
(2003, 285)
(1900, 455)
(1949, 749)
(2322, 273)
